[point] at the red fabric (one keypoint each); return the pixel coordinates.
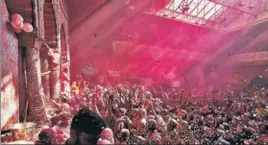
(54, 64)
(58, 130)
(60, 138)
(64, 76)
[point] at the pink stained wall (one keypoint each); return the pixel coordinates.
(9, 71)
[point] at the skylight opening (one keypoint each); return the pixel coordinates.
(199, 11)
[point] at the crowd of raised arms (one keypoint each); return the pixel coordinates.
(133, 115)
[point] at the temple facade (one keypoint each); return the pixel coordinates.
(34, 65)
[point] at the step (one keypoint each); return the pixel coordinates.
(52, 44)
(51, 37)
(47, 27)
(49, 32)
(49, 10)
(50, 23)
(49, 17)
(48, 5)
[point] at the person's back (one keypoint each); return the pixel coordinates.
(86, 127)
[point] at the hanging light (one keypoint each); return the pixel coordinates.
(27, 27)
(17, 17)
(17, 24)
(17, 21)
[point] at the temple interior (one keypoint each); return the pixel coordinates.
(80, 72)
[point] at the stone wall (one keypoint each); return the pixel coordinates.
(9, 71)
(28, 45)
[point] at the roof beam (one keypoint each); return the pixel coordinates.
(172, 3)
(181, 4)
(188, 15)
(209, 11)
(202, 8)
(196, 7)
(215, 13)
(230, 7)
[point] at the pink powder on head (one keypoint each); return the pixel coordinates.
(103, 141)
(107, 134)
(125, 132)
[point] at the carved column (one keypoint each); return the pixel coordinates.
(34, 85)
(45, 77)
(54, 78)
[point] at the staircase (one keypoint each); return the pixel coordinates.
(50, 24)
(51, 39)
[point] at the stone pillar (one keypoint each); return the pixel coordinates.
(45, 77)
(55, 84)
(54, 77)
(34, 85)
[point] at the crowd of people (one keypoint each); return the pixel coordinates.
(131, 114)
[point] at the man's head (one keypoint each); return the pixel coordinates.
(47, 136)
(122, 111)
(143, 112)
(86, 127)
